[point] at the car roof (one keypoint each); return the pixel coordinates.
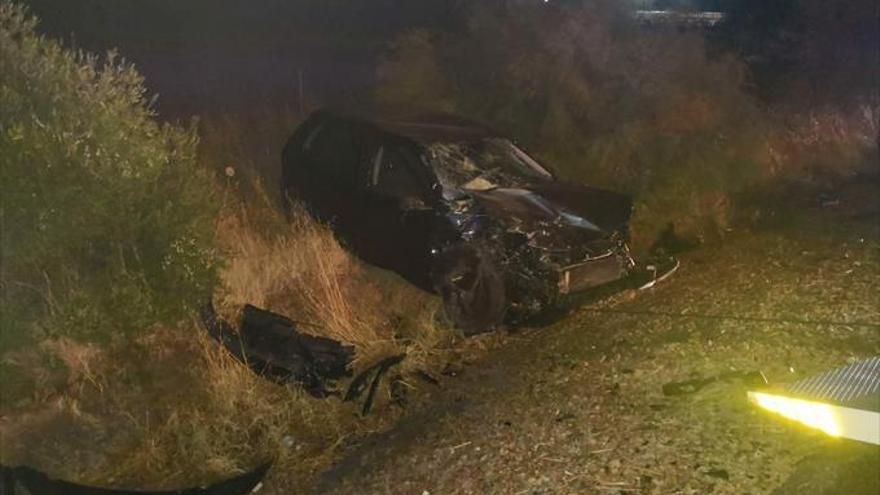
(422, 127)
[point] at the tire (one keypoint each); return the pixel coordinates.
(472, 287)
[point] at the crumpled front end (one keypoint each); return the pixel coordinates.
(539, 276)
(547, 250)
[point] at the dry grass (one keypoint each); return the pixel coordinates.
(172, 409)
(298, 268)
(250, 141)
(232, 420)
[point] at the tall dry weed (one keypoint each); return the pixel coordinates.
(173, 410)
(293, 265)
(249, 141)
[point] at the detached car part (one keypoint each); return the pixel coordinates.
(359, 384)
(38, 483)
(842, 403)
(750, 378)
(272, 346)
(459, 210)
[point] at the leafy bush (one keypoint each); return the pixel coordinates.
(107, 221)
(639, 111)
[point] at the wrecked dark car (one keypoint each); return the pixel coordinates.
(459, 210)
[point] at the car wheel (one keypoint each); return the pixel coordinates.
(472, 287)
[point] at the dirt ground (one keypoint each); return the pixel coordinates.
(576, 406)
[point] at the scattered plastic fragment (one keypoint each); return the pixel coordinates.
(751, 378)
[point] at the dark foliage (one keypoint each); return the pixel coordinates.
(107, 219)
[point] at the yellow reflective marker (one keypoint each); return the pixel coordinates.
(835, 420)
(812, 414)
(844, 402)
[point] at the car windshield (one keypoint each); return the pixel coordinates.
(484, 164)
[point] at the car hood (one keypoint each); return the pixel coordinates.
(561, 203)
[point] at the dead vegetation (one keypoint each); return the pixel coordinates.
(171, 411)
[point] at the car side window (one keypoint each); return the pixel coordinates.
(390, 172)
(333, 153)
(310, 138)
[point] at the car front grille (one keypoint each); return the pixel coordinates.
(592, 273)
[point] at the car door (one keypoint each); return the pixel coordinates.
(399, 204)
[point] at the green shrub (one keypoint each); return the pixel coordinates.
(107, 223)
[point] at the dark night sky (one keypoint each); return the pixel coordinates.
(221, 55)
(199, 54)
